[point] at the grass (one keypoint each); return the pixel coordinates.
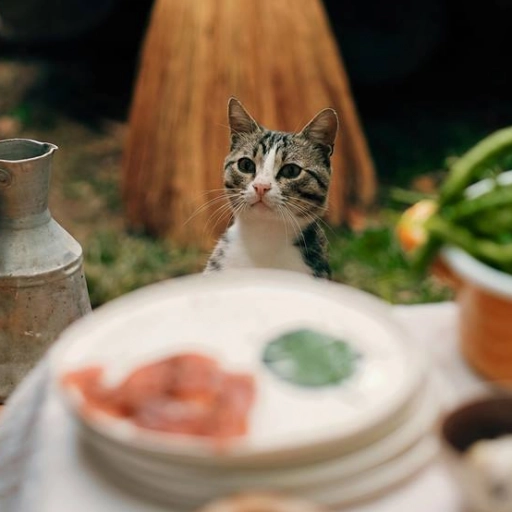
(117, 263)
(372, 261)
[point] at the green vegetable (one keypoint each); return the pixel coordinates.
(480, 225)
(408, 197)
(309, 358)
(492, 252)
(423, 256)
(485, 155)
(495, 223)
(498, 196)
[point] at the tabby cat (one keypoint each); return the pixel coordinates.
(277, 184)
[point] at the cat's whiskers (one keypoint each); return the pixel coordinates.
(307, 217)
(307, 204)
(305, 213)
(302, 210)
(295, 222)
(223, 197)
(279, 209)
(237, 208)
(211, 190)
(242, 205)
(226, 215)
(207, 205)
(220, 213)
(296, 206)
(232, 209)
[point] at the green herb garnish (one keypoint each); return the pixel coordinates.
(309, 358)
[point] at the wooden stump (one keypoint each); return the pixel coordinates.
(279, 58)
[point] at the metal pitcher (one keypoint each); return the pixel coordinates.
(42, 283)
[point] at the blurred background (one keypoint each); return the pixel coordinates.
(429, 79)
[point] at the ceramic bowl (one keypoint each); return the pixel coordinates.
(484, 295)
(484, 487)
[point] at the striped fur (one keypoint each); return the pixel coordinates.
(280, 227)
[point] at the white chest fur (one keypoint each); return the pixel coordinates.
(263, 244)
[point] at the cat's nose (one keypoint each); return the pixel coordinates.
(261, 188)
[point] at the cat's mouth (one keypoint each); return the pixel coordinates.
(260, 205)
(261, 209)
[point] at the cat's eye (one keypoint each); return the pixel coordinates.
(290, 171)
(246, 165)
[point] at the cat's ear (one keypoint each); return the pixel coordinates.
(322, 128)
(240, 121)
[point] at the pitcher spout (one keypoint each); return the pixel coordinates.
(51, 148)
(25, 168)
(21, 150)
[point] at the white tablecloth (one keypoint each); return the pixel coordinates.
(43, 470)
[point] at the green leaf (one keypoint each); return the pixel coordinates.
(309, 358)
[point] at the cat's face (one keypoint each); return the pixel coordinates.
(277, 175)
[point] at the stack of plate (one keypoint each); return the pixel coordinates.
(334, 445)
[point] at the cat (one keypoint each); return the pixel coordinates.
(277, 184)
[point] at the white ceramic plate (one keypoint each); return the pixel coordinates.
(201, 483)
(334, 493)
(231, 316)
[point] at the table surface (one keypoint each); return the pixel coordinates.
(43, 468)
